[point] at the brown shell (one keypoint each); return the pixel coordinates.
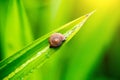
(56, 39)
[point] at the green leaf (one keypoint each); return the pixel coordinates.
(34, 55)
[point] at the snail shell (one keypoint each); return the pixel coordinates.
(56, 39)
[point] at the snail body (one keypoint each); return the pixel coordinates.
(56, 40)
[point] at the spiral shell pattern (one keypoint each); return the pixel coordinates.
(56, 39)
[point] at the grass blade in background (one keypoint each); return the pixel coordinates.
(38, 12)
(60, 13)
(16, 28)
(3, 12)
(35, 54)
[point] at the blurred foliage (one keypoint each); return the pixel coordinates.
(93, 54)
(15, 29)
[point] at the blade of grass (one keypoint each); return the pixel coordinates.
(3, 12)
(35, 54)
(16, 20)
(60, 13)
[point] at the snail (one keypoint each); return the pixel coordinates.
(56, 40)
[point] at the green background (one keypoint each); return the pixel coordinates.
(92, 54)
